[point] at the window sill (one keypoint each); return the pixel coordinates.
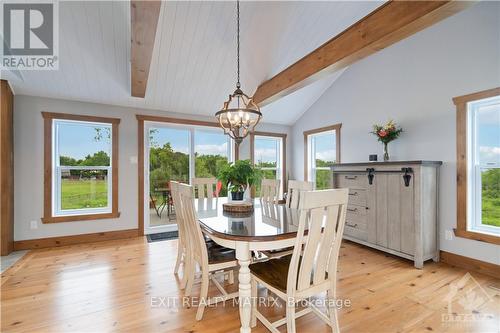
(76, 218)
(477, 236)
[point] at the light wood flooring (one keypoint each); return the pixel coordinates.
(110, 286)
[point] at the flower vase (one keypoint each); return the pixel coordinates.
(386, 152)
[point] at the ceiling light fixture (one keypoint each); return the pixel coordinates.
(239, 114)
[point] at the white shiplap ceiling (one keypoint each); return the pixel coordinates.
(193, 64)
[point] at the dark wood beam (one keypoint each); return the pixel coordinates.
(144, 20)
(386, 25)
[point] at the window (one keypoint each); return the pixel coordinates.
(478, 166)
(268, 154)
(322, 150)
(81, 171)
(179, 153)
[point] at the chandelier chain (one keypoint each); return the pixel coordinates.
(238, 84)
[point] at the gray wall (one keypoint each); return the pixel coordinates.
(28, 163)
(413, 83)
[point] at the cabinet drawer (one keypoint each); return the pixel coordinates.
(356, 224)
(356, 211)
(352, 181)
(357, 197)
(355, 233)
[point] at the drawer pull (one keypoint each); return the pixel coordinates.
(352, 209)
(355, 225)
(351, 177)
(353, 193)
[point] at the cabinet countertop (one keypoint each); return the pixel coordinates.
(419, 162)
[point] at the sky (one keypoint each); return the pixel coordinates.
(206, 142)
(77, 140)
(488, 134)
(325, 147)
(266, 149)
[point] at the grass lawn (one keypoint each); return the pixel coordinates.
(77, 194)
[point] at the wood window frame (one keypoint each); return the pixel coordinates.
(336, 128)
(48, 217)
(462, 166)
(252, 155)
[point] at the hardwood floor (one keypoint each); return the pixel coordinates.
(116, 285)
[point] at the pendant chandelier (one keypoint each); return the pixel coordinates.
(239, 114)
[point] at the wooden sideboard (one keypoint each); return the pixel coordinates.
(393, 206)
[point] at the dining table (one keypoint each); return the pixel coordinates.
(268, 226)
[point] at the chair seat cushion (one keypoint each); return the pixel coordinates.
(274, 272)
(219, 254)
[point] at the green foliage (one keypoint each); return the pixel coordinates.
(165, 164)
(491, 197)
(323, 179)
(239, 175)
(100, 158)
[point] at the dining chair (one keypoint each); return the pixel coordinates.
(294, 189)
(209, 183)
(312, 268)
(213, 260)
(269, 190)
(182, 241)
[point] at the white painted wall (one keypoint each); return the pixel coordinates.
(413, 83)
(28, 161)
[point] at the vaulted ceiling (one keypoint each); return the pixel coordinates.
(194, 58)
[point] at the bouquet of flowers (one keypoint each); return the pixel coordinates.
(387, 133)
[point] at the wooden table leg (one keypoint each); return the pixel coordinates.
(245, 292)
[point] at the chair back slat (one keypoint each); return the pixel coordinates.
(294, 189)
(207, 187)
(321, 226)
(269, 190)
(181, 227)
(197, 248)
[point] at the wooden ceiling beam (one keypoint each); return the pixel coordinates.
(386, 25)
(144, 20)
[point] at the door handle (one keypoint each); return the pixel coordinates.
(351, 177)
(352, 209)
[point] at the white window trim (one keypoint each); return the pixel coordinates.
(279, 158)
(311, 160)
(57, 210)
(475, 167)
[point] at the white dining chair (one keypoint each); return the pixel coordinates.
(312, 268)
(207, 187)
(182, 241)
(213, 260)
(294, 189)
(269, 190)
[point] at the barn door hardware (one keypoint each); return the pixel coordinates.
(370, 175)
(406, 175)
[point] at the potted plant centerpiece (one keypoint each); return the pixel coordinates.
(387, 133)
(238, 176)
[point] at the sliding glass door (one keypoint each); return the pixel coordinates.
(178, 153)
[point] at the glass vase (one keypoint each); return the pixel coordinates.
(386, 152)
